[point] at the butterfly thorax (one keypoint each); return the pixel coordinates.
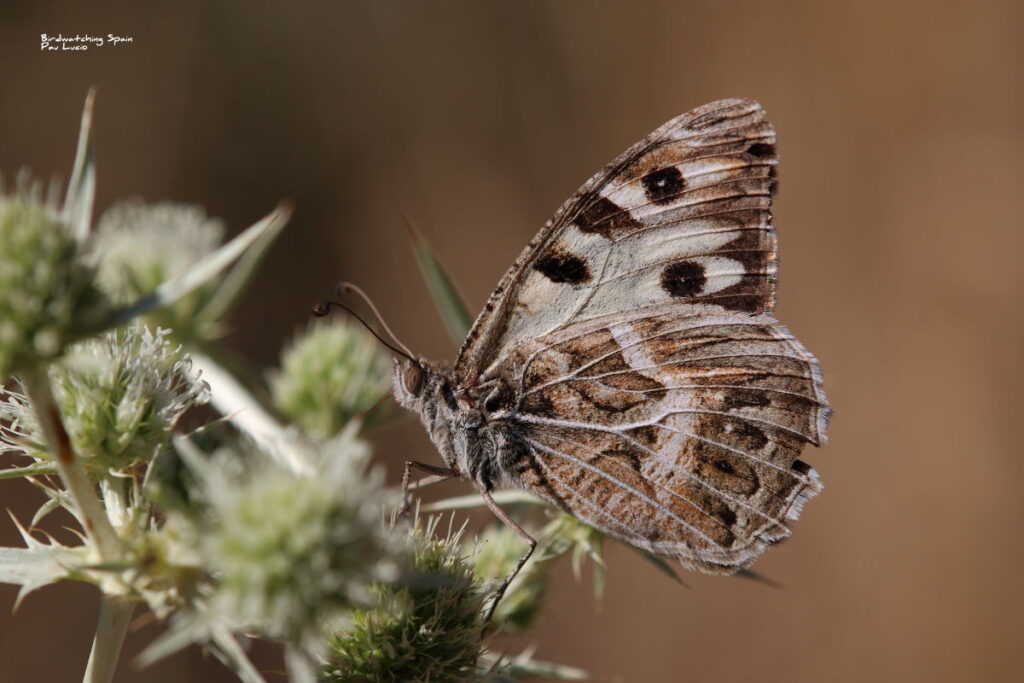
(468, 442)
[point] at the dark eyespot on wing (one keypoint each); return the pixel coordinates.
(683, 278)
(724, 466)
(761, 150)
(605, 217)
(562, 267)
(664, 185)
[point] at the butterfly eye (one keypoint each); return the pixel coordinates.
(412, 378)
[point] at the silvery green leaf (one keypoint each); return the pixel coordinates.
(56, 496)
(82, 187)
(29, 470)
(507, 497)
(755, 576)
(207, 269)
(59, 495)
(32, 568)
(454, 312)
(658, 562)
(185, 629)
(524, 666)
(234, 400)
(37, 565)
(45, 509)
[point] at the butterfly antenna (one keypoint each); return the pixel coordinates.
(322, 308)
(344, 287)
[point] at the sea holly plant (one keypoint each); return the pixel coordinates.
(269, 522)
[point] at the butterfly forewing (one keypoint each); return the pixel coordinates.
(682, 216)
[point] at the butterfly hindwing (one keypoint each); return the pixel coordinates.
(677, 433)
(683, 216)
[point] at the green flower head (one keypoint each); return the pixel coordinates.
(330, 374)
(426, 630)
(139, 246)
(47, 293)
(290, 551)
(120, 395)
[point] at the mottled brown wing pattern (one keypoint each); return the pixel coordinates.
(682, 216)
(678, 433)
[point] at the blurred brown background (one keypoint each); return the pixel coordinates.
(901, 128)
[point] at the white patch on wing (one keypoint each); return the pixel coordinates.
(543, 305)
(725, 192)
(642, 285)
(649, 249)
(591, 247)
(634, 352)
(719, 273)
(629, 196)
(696, 174)
(624, 277)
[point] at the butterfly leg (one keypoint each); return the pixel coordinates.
(437, 474)
(503, 516)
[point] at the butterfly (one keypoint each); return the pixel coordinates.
(627, 368)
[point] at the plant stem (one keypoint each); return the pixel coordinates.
(115, 615)
(301, 668)
(29, 470)
(92, 515)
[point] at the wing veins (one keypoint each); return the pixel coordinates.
(533, 356)
(702, 358)
(681, 206)
(583, 426)
(621, 431)
(682, 387)
(626, 487)
(766, 227)
(657, 139)
(668, 364)
(551, 474)
(699, 174)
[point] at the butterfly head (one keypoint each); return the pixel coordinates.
(409, 379)
(429, 390)
(419, 383)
